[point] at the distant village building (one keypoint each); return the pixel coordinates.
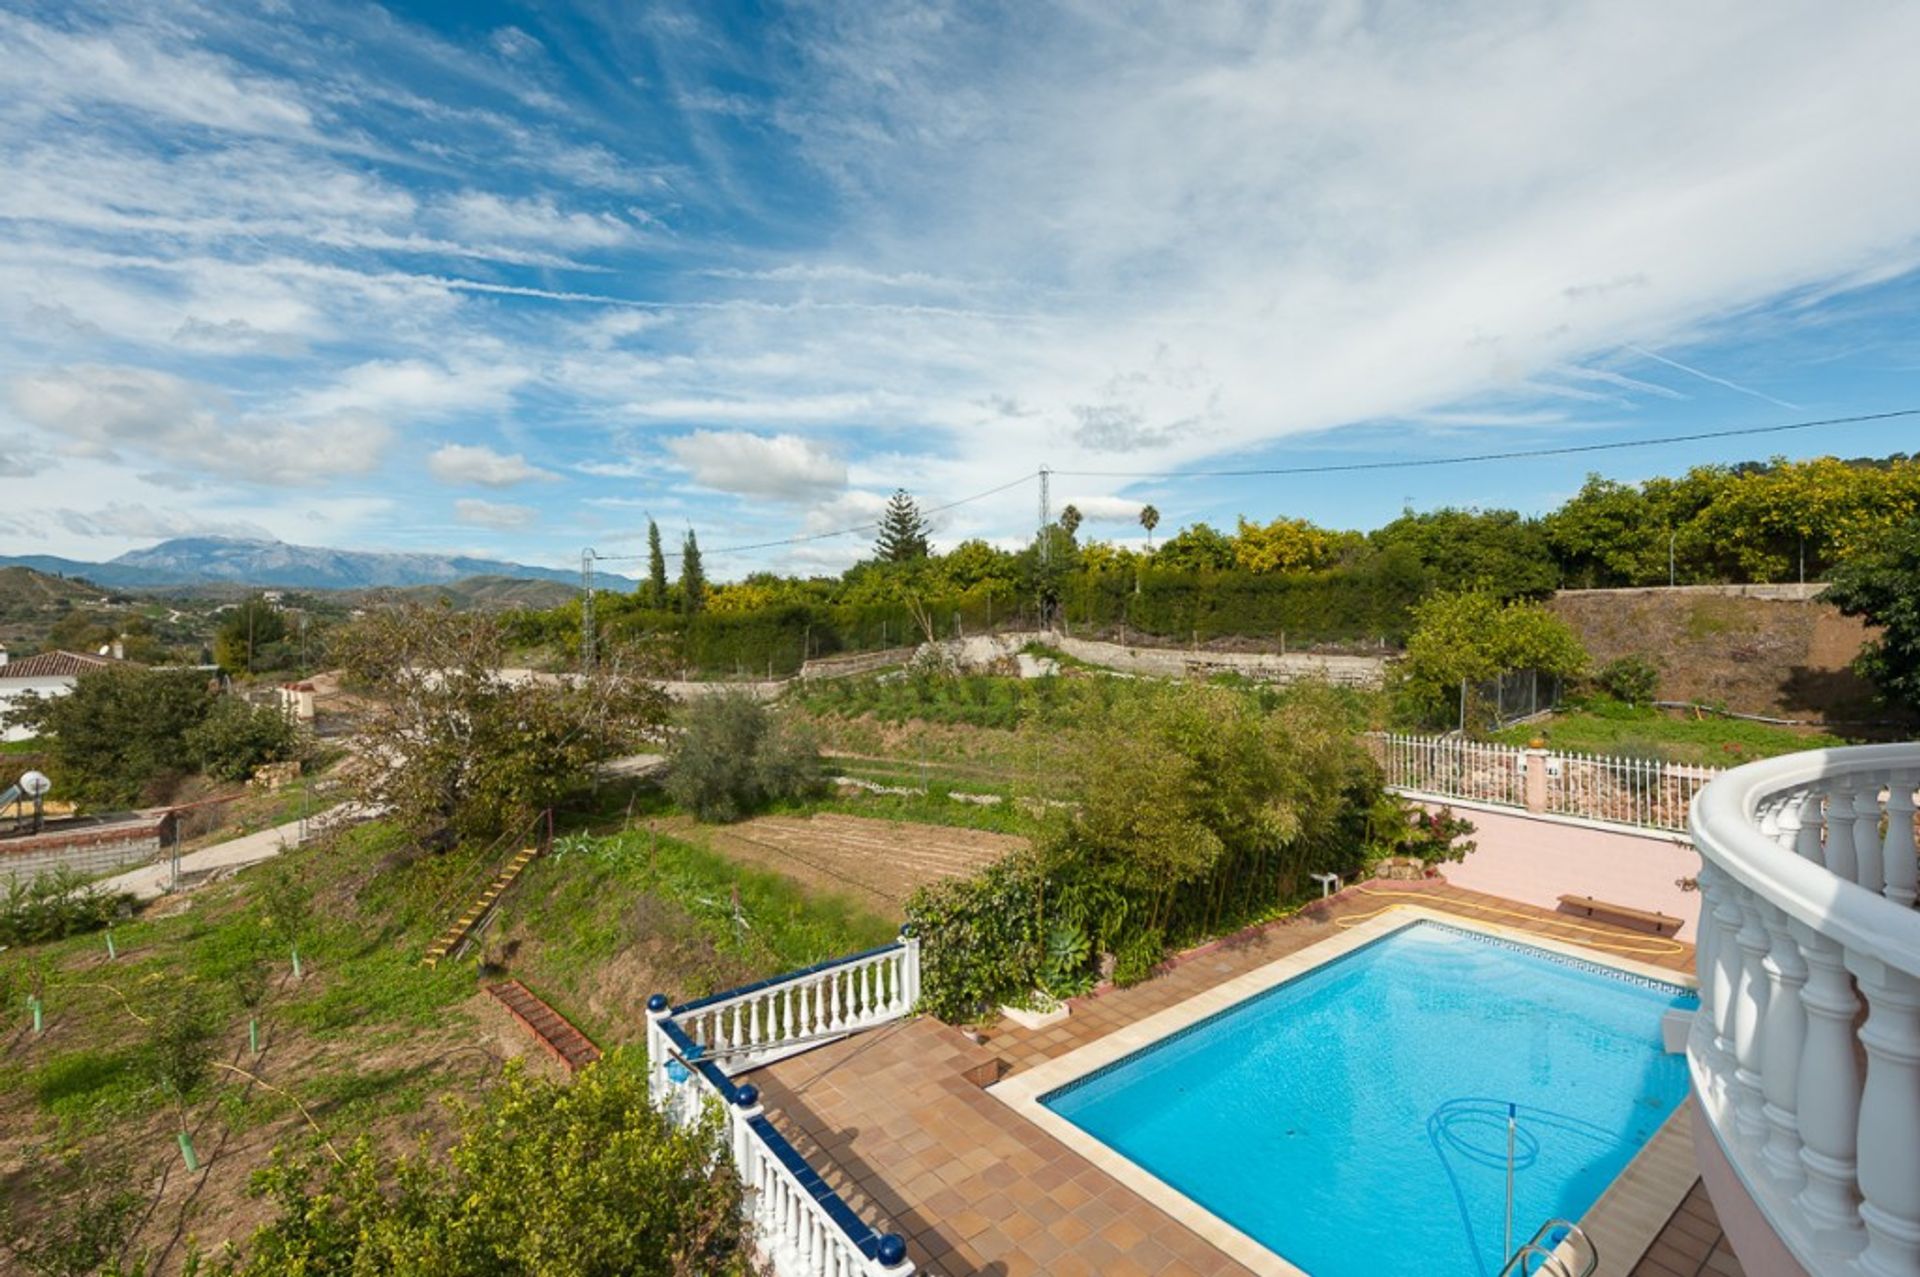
(48, 674)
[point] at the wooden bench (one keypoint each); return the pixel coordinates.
(1659, 924)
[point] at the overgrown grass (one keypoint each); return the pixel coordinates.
(1609, 727)
(602, 910)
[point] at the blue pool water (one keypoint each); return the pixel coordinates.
(1354, 1119)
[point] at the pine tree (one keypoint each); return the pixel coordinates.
(903, 531)
(693, 581)
(656, 583)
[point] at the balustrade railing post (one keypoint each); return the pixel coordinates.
(1840, 858)
(1783, 1039)
(1828, 1092)
(1866, 832)
(1749, 1013)
(1889, 1147)
(656, 1048)
(1899, 860)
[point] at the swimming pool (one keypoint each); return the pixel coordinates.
(1353, 1119)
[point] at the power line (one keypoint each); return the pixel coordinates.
(1514, 455)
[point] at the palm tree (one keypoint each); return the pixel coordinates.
(1149, 519)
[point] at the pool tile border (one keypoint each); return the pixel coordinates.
(1023, 1091)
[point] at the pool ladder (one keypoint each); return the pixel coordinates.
(1544, 1247)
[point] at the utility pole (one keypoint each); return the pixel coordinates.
(1671, 577)
(1046, 542)
(587, 557)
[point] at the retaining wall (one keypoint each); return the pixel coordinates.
(88, 849)
(1537, 859)
(1168, 662)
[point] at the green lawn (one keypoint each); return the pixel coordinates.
(1612, 728)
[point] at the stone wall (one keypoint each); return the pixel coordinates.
(85, 849)
(991, 650)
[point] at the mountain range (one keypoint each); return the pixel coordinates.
(186, 561)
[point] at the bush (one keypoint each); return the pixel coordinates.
(1633, 679)
(52, 906)
(120, 728)
(580, 1180)
(980, 938)
(734, 756)
(1139, 953)
(235, 737)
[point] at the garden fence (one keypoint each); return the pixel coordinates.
(1647, 793)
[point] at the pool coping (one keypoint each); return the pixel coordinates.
(1022, 1091)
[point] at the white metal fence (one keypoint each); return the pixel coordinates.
(1626, 791)
(1453, 767)
(1643, 792)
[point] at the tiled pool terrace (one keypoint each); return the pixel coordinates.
(899, 1122)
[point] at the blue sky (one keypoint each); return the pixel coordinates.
(504, 278)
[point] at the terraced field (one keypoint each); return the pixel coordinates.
(876, 862)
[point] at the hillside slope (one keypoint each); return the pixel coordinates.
(1789, 658)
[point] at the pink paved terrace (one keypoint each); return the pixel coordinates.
(899, 1124)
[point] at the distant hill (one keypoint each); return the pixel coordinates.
(488, 592)
(187, 561)
(26, 594)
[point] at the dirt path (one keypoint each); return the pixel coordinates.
(876, 862)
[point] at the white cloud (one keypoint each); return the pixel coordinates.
(486, 216)
(418, 388)
(785, 467)
(1104, 509)
(93, 410)
(46, 65)
(475, 463)
(493, 514)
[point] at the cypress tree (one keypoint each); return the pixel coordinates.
(656, 583)
(903, 531)
(693, 581)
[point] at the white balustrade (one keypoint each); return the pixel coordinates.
(1809, 865)
(801, 1228)
(767, 1022)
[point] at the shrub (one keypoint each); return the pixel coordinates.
(581, 1180)
(119, 729)
(1139, 953)
(734, 756)
(52, 906)
(235, 737)
(1633, 679)
(980, 938)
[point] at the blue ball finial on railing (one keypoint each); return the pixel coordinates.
(658, 1002)
(747, 1096)
(891, 1249)
(906, 930)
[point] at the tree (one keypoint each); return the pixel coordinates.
(693, 578)
(586, 1179)
(1198, 548)
(253, 637)
(1285, 545)
(235, 737)
(1493, 550)
(1472, 635)
(1149, 519)
(121, 729)
(448, 742)
(734, 756)
(1070, 519)
(655, 585)
(903, 531)
(1883, 588)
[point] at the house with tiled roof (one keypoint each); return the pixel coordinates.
(45, 674)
